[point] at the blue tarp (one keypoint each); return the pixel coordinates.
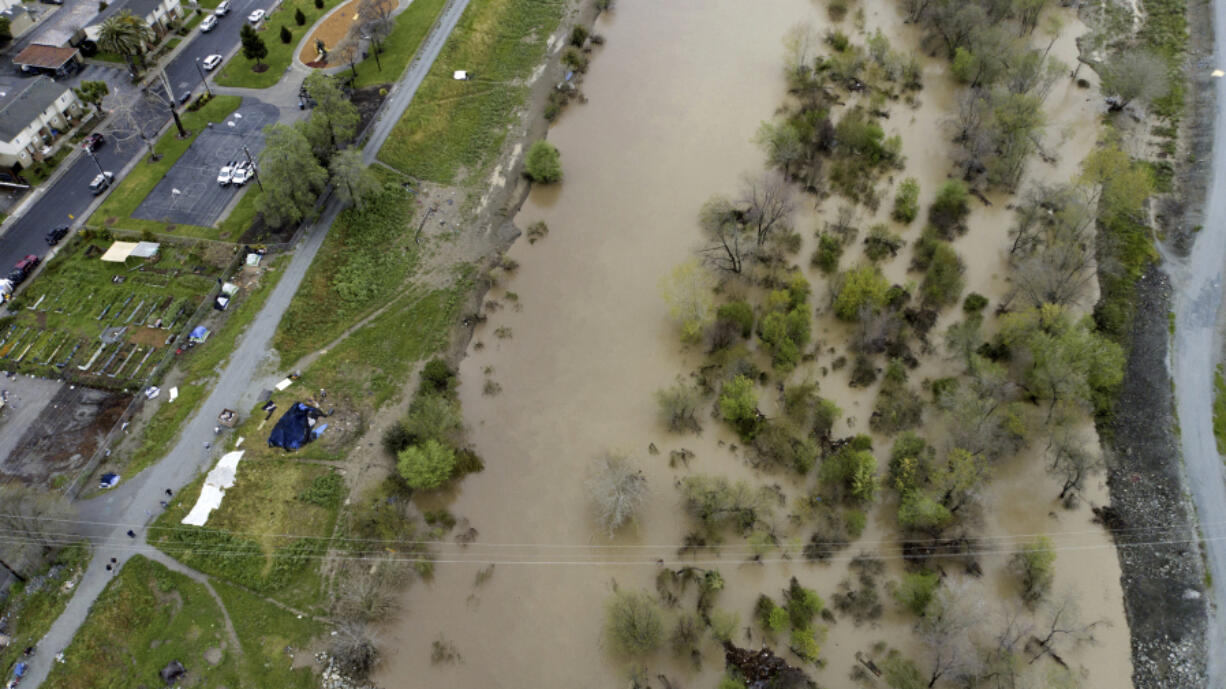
(20, 670)
(199, 334)
(293, 429)
(109, 479)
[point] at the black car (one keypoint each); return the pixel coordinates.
(17, 276)
(92, 142)
(54, 236)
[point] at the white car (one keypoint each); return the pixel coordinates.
(227, 173)
(240, 174)
(210, 63)
(255, 16)
(208, 23)
(223, 9)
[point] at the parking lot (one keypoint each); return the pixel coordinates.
(190, 194)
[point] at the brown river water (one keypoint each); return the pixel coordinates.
(674, 98)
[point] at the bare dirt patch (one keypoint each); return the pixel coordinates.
(149, 337)
(64, 436)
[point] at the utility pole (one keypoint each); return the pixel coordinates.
(171, 104)
(95, 159)
(254, 172)
(204, 80)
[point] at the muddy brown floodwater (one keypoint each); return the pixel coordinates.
(674, 98)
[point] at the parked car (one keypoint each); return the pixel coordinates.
(241, 173)
(29, 263)
(223, 9)
(208, 23)
(210, 63)
(100, 182)
(54, 236)
(17, 276)
(92, 142)
(227, 173)
(255, 16)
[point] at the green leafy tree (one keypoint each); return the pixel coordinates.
(426, 466)
(543, 164)
(1134, 75)
(354, 181)
(6, 30)
(299, 17)
(943, 280)
(1034, 566)
(291, 175)
(286, 34)
(852, 471)
(253, 45)
(688, 292)
(738, 404)
(919, 512)
(127, 35)
(916, 591)
(93, 92)
(949, 209)
(859, 291)
(334, 119)
(633, 624)
(906, 202)
(1125, 184)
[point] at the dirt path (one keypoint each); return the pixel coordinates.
(174, 565)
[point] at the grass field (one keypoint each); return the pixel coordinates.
(239, 71)
(458, 126)
(30, 611)
(149, 615)
(76, 298)
(198, 368)
(368, 254)
(411, 27)
(146, 617)
(274, 536)
(116, 210)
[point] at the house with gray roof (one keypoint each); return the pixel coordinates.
(33, 113)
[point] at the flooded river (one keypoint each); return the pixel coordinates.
(674, 98)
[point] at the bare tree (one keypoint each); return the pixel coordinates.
(618, 491)
(375, 21)
(1070, 461)
(367, 591)
(35, 521)
(947, 632)
(844, 224)
(1133, 75)
(769, 204)
(721, 225)
(1062, 624)
(1052, 252)
(353, 650)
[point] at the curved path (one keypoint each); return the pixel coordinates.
(1197, 283)
(133, 506)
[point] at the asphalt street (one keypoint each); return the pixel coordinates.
(67, 199)
(189, 193)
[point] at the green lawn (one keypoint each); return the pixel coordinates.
(238, 70)
(116, 210)
(31, 611)
(241, 215)
(265, 633)
(411, 27)
(367, 256)
(62, 313)
(276, 536)
(146, 617)
(1219, 410)
(198, 365)
(460, 125)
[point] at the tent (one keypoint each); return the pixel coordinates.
(119, 252)
(293, 429)
(108, 480)
(146, 249)
(199, 334)
(172, 672)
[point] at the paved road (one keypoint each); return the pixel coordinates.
(69, 197)
(132, 505)
(1198, 314)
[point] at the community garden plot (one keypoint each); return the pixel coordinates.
(104, 323)
(189, 193)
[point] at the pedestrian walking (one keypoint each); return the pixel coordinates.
(169, 492)
(108, 567)
(131, 533)
(113, 561)
(207, 445)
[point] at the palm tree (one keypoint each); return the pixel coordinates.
(125, 34)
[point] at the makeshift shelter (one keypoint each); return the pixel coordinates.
(293, 429)
(216, 482)
(108, 480)
(146, 249)
(173, 671)
(198, 334)
(119, 252)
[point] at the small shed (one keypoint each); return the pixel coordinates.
(56, 61)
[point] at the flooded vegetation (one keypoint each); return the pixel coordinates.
(798, 355)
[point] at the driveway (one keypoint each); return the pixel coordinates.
(189, 193)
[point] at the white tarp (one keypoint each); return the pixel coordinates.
(119, 252)
(146, 249)
(285, 383)
(215, 485)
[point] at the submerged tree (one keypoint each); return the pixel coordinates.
(618, 491)
(1134, 75)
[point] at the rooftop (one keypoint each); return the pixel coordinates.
(140, 8)
(45, 56)
(21, 100)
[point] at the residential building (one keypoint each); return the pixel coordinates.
(156, 13)
(33, 114)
